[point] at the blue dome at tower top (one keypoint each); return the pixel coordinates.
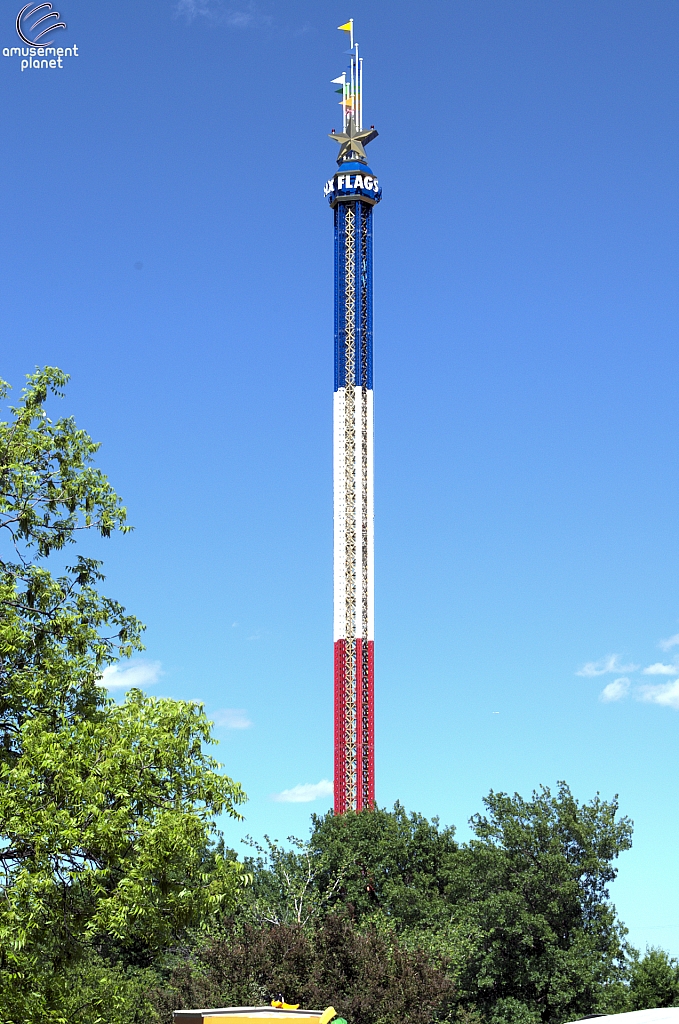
(353, 167)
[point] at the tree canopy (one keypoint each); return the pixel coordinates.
(107, 811)
(519, 917)
(533, 896)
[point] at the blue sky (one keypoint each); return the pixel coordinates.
(166, 241)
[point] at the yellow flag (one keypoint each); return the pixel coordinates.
(344, 28)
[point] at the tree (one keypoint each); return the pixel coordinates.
(285, 887)
(532, 893)
(367, 976)
(56, 632)
(107, 812)
(520, 915)
(392, 864)
(518, 920)
(654, 981)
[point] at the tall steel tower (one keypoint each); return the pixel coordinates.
(352, 192)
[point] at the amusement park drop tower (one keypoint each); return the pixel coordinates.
(352, 192)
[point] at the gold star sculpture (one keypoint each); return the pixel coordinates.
(352, 142)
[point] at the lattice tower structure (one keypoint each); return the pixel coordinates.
(353, 192)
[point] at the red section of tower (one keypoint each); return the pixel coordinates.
(354, 776)
(340, 726)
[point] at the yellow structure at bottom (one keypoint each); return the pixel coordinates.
(215, 1017)
(284, 1013)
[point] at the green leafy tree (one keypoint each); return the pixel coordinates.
(57, 633)
(518, 920)
(369, 977)
(386, 864)
(96, 990)
(532, 893)
(285, 887)
(520, 915)
(107, 812)
(654, 981)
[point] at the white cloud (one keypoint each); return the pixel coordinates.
(661, 670)
(136, 673)
(304, 794)
(662, 693)
(671, 641)
(243, 15)
(191, 9)
(611, 663)
(616, 690)
(232, 718)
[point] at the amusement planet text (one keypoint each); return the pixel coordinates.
(41, 56)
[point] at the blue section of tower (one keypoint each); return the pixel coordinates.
(363, 299)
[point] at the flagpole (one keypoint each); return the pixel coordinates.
(351, 65)
(360, 93)
(345, 99)
(356, 99)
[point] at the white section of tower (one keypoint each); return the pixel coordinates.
(340, 519)
(354, 600)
